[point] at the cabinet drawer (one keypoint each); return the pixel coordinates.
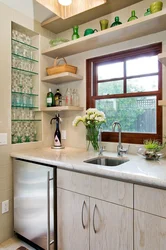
(150, 200)
(114, 191)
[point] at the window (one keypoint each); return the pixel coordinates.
(126, 86)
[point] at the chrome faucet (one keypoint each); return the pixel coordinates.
(101, 148)
(120, 149)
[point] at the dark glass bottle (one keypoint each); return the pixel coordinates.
(50, 99)
(117, 22)
(57, 134)
(75, 33)
(58, 98)
(133, 16)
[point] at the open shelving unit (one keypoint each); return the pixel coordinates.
(143, 26)
(25, 124)
(56, 24)
(62, 78)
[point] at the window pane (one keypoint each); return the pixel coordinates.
(143, 65)
(110, 88)
(110, 71)
(142, 84)
(135, 114)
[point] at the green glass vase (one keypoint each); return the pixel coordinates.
(117, 22)
(148, 12)
(92, 134)
(75, 33)
(133, 16)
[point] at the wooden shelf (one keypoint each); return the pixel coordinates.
(61, 108)
(162, 102)
(141, 27)
(162, 58)
(62, 77)
(57, 24)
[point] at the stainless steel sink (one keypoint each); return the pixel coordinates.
(107, 161)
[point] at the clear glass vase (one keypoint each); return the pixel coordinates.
(92, 135)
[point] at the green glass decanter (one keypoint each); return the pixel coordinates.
(75, 33)
(117, 22)
(133, 16)
(147, 12)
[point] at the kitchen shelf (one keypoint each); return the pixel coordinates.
(30, 73)
(162, 102)
(62, 77)
(25, 44)
(143, 26)
(23, 93)
(57, 24)
(24, 58)
(62, 108)
(162, 58)
(23, 107)
(33, 120)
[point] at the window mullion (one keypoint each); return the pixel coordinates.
(125, 80)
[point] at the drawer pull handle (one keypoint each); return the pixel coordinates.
(82, 215)
(94, 219)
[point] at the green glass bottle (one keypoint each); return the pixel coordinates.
(117, 22)
(133, 16)
(50, 99)
(147, 12)
(75, 33)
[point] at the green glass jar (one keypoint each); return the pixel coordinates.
(133, 16)
(148, 12)
(75, 33)
(117, 22)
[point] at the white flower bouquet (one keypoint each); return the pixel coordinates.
(92, 121)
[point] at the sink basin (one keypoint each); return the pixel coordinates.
(107, 161)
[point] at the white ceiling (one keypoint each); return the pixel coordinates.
(29, 8)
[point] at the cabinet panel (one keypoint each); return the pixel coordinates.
(73, 221)
(150, 200)
(149, 232)
(113, 225)
(97, 187)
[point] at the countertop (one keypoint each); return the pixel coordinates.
(136, 170)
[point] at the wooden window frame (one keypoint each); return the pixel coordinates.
(91, 90)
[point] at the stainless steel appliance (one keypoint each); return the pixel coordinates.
(34, 203)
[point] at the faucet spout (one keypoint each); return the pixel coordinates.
(119, 147)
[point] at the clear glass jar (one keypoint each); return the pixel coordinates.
(68, 97)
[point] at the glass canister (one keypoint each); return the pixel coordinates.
(75, 32)
(104, 24)
(117, 22)
(133, 16)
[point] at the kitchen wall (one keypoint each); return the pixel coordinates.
(7, 15)
(76, 135)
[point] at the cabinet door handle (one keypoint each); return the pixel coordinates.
(82, 214)
(94, 219)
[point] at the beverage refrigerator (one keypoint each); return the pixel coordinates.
(34, 203)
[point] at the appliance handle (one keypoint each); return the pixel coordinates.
(48, 211)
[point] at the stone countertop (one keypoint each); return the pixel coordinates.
(136, 170)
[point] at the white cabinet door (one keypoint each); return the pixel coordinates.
(149, 232)
(111, 226)
(73, 220)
